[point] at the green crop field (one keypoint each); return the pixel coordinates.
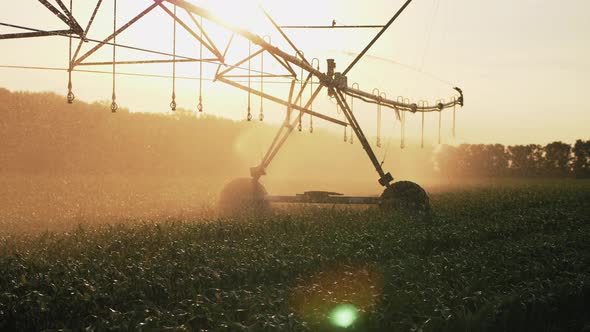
(508, 257)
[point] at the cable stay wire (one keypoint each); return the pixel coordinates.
(429, 34)
(145, 50)
(361, 26)
(405, 66)
(119, 73)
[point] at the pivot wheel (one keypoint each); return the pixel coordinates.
(243, 196)
(406, 195)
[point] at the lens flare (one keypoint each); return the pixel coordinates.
(344, 315)
(337, 295)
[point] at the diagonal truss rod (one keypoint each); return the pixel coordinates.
(285, 36)
(69, 19)
(94, 12)
(304, 110)
(116, 33)
(33, 33)
(72, 21)
(385, 178)
(212, 49)
(206, 35)
(356, 60)
(284, 132)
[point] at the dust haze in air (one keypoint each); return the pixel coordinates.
(84, 164)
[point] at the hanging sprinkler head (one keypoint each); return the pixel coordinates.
(200, 105)
(71, 97)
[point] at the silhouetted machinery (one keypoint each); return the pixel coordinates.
(249, 192)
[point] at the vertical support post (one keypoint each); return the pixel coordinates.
(70, 97)
(173, 102)
(200, 105)
(114, 106)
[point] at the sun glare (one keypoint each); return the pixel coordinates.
(244, 14)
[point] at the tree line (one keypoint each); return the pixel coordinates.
(39, 133)
(556, 159)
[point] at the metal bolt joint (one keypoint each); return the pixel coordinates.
(386, 180)
(257, 172)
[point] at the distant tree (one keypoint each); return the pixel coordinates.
(475, 159)
(519, 159)
(464, 161)
(557, 159)
(536, 160)
(581, 162)
(531, 160)
(497, 160)
(40, 133)
(447, 160)
(525, 160)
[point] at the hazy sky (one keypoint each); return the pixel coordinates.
(524, 65)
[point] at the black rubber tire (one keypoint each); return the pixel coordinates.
(243, 196)
(406, 196)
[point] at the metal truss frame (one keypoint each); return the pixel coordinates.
(335, 83)
(65, 15)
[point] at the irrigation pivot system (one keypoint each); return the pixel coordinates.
(302, 74)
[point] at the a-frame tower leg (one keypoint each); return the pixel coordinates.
(385, 179)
